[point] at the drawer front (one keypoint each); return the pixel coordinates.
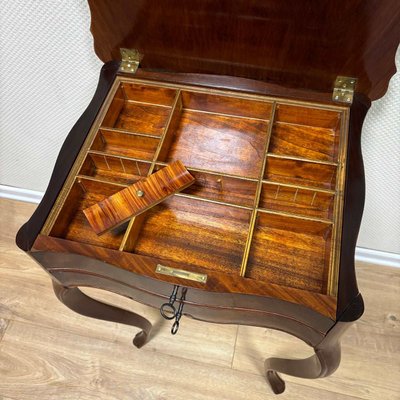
(73, 270)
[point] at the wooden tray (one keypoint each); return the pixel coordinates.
(267, 200)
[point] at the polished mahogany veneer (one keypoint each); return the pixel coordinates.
(293, 43)
(266, 203)
(137, 198)
(241, 93)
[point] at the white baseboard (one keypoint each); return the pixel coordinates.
(378, 257)
(11, 192)
(362, 254)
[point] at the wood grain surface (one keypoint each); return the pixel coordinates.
(258, 39)
(48, 352)
(220, 143)
(217, 281)
(291, 253)
(133, 200)
(224, 137)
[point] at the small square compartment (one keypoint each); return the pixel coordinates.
(218, 133)
(192, 233)
(300, 201)
(125, 144)
(306, 133)
(114, 169)
(291, 252)
(140, 109)
(302, 173)
(72, 224)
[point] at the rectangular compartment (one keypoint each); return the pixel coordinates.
(306, 132)
(222, 140)
(300, 173)
(291, 252)
(300, 201)
(140, 109)
(148, 94)
(125, 144)
(72, 224)
(114, 169)
(227, 105)
(219, 133)
(222, 188)
(193, 233)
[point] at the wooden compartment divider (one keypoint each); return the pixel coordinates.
(125, 144)
(297, 200)
(148, 94)
(291, 251)
(226, 203)
(135, 199)
(195, 234)
(129, 132)
(294, 158)
(333, 273)
(165, 137)
(306, 133)
(258, 193)
(148, 118)
(113, 168)
(71, 223)
(283, 181)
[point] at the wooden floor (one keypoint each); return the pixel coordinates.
(49, 352)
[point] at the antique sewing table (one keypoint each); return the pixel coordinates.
(263, 102)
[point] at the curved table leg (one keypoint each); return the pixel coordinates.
(323, 363)
(79, 302)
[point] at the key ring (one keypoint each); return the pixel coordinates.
(168, 311)
(175, 327)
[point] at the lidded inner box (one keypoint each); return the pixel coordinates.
(267, 201)
(267, 205)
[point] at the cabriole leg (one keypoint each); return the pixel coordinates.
(323, 363)
(79, 302)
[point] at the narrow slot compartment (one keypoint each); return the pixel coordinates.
(226, 105)
(192, 233)
(148, 94)
(291, 252)
(309, 116)
(114, 169)
(222, 188)
(72, 224)
(230, 139)
(300, 201)
(306, 132)
(302, 173)
(125, 144)
(130, 111)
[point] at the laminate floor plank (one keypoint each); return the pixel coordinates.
(50, 352)
(69, 366)
(370, 366)
(198, 341)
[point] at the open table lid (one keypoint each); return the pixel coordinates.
(302, 44)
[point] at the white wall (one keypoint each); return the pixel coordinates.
(380, 228)
(48, 74)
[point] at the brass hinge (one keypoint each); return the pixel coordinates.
(130, 60)
(343, 91)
